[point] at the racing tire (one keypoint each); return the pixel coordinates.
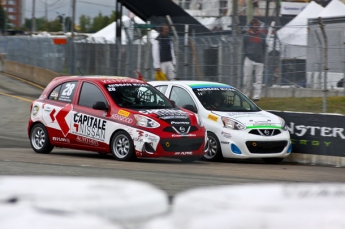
(39, 139)
(272, 160)
(122, 147)
(214, 152)
(189, 159)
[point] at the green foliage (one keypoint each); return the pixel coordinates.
(313, 105)
(2, 19)
(86, 23)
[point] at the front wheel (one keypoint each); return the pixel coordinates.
(213, 152)
(122, 146)
(272, 160)
(39, 139)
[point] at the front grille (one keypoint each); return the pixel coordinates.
(265, 132)
(181, 144)
(266, 146)
(171, 130)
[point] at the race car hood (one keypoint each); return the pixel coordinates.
(260, 118)
(173, 116)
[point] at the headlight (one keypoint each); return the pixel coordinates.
(199, 120)
(231, 124)
(284, 127)
(145, 121)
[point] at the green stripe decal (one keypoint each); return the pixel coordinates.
(265, 127)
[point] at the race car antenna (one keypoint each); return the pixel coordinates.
(80, 71)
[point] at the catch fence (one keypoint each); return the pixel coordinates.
(291, 61)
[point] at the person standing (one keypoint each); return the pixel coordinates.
(163, 53)
(254, 48)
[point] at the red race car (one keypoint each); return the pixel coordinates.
(119, 115)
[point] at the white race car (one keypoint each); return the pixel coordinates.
(236, 126)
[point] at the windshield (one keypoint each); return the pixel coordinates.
(137, 95)
(223, 98)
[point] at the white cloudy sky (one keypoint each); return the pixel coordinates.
(87, 7)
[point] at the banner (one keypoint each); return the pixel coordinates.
(321, 134)
(292, 8)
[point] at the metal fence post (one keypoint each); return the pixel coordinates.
(325, 67)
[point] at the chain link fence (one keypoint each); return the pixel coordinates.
(213, 56)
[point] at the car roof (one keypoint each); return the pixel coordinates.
(191, 82)
(103, 79)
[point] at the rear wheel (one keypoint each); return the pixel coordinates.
(214, 152)
(39, 139)
(189, 159)
(122, 146)
(272, 160)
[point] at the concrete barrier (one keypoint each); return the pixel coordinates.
(34, 74)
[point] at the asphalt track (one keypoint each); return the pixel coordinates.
(170, 175)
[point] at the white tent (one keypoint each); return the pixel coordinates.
(108, 33)
(334, 9)
(293, 35)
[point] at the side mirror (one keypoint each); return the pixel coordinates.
(190, 107)
(100, 106)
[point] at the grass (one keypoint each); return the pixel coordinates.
(313, 105)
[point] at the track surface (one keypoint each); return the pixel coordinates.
(172, 176)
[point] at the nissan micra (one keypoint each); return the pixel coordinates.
(119, 115)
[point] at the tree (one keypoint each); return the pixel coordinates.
(2, 17)
(85, 23)
(99, 22)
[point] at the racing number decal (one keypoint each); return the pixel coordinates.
(67, 93)
(68, 90)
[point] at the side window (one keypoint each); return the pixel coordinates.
(90, 94)
(64, 92)
(54, 94)
(181, 97)
(162, 89)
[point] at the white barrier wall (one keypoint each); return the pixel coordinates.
(122, 201)
(269, 206)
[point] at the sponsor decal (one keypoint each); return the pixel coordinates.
(179, 123)
(215, 89)
(183, 153)
(323, 131)
(89, 126)
(245, 115)
(140, 136)
(310, 143)
(112, 87)
(212, 117)
(60, 118)
(58, 139)
(223, 142)
(35, 110)
(124, 113)
(151, 138)
(87, 141)
(226, 135)
(166, 113)
(121, 118)
(183, 135)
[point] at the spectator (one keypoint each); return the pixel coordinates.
(163, 53)
(254, 48)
